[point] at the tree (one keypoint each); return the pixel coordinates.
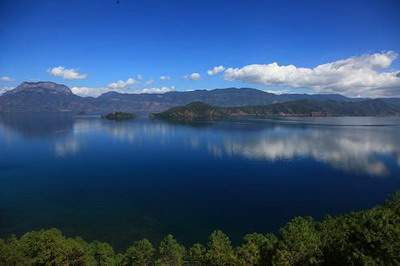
(78, 252)
(256, 249)
(103, 253)
(171, 253)
(44, 247)
(220, 251)
(393, 203)
(300, 244)
(10, 254)
(140, 253)
(196, 254)
(334, 232)
(373, 237)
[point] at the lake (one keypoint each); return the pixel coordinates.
(123, 181)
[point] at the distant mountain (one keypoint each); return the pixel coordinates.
(53, 97)
(40, 97)
(216, 97)
(197, 111)
(41, 87)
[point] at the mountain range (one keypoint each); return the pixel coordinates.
(52, 97)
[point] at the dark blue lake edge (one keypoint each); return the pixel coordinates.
(123, 181)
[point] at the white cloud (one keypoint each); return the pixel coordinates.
(66, 73)
(97, 91)
(156, 90)
(193, 76)
(278, 91)
(120, 84)
(354, 76)
(89, 91)
(165, 78)
(6, 78)
(139, 77)
(215, 70)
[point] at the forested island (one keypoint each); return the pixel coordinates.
(199, 111)
(369, 237)
(119, 116)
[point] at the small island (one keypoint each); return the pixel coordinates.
(119, 116)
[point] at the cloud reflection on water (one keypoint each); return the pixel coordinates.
(353, 149)
(350, 149)
(368, 150)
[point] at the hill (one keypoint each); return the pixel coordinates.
(200, 111)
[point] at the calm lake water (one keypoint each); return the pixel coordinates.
(123, 181)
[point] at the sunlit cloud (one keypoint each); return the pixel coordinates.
(215, 70)
(165, 77)
(89, 91)
(120, 84)
(97, 91)
(156, 90)
(193, 76)
(355, 76)
(6, 78)
(65, 73)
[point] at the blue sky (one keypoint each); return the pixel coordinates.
(105, 41)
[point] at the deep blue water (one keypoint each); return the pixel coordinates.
(122, 181)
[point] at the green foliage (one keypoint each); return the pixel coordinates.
(220, 251)
(103, 253)
(300, 244)
(256, 249)
(196, 254)
(50, 247)
(171, 253)
(370, 237)
(393, 203)
(9, 254)
(140, 253)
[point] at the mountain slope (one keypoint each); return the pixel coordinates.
(218, 97)
(40, 97)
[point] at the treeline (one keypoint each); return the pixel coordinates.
(370, 237)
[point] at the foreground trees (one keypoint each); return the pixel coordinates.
(370, 237)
